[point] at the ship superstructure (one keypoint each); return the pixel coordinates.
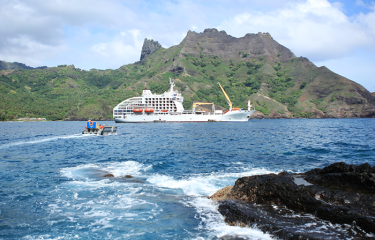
(167, 107)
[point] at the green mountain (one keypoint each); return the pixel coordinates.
(254, 67)
(15, 65)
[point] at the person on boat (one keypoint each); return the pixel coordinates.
(90, 122)
(100, 126)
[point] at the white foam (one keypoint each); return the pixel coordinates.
(243, 232)
(202, 185)
(104, 223)
(96, 214)
(44, 140)
(197, 187)
(43, 237)
(118, 169)
(213, 221)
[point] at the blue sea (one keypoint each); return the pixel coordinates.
(52, 183)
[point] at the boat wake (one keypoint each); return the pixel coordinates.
(49, 139)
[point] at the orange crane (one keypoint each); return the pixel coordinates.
(226, 95)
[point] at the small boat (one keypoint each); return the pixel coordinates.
(92, 129)
(137, 110)
(149, 110)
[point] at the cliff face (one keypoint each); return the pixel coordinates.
(212, 42)
(149, 47)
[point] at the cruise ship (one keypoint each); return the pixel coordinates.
(167, 107)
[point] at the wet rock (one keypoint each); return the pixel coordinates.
(130, 179)
(221, 194)
(345, 177)
(340, 193)
(109, 175)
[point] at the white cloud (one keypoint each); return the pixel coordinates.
(367, 21)
(360, 3)
(123, 48)
(368, 4)
(315, 29)
(37, 31)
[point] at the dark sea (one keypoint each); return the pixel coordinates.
(52, 184)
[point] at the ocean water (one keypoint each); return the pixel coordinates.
(52, 184)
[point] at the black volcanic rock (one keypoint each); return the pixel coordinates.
(149, 47)
(344, 177)
(341, 194)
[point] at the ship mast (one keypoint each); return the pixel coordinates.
(172, 84)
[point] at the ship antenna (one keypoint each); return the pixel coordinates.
(172, 84)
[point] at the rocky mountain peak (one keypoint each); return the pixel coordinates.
(210, 30)
(149, 47)
(213, 42)
(213, 30)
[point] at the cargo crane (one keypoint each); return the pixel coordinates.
(230, 103)
(226, 95)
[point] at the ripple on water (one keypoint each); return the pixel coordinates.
(53, 186)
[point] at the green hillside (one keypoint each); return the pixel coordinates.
(15, 65)
(254, 67)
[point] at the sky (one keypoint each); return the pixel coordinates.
(106, 34)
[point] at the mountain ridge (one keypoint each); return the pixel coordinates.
(16, 65)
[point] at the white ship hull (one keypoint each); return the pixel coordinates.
(168, 107)
(234, 116)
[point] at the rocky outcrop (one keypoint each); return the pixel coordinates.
(213, 42)
(272, 115)
(286, 204)
(149, 47)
